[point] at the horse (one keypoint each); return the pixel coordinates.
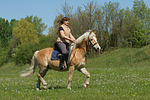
(77, 60)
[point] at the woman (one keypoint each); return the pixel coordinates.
(63, 40)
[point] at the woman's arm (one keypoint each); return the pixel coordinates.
(72, 37)
(62, 34)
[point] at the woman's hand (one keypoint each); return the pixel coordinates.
(73, 40)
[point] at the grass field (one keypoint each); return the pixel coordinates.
(121, 74)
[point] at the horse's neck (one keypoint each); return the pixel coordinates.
(83, 48)
(80, 40)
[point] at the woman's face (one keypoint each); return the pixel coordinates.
(66, 23)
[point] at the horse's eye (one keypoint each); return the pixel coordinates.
(91, 39)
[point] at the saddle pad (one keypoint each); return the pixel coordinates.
(54, 55)
(55, 52)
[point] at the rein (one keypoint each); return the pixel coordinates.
(89, 41)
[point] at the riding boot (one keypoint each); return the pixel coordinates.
(61, 64)
(66, 58)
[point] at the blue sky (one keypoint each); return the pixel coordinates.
(47, 9)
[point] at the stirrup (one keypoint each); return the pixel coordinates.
(62, 67)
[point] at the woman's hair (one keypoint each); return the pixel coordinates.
(60, 22)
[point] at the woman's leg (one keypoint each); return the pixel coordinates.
(63, 50)
(62, 47)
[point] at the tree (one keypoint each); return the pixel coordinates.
(25, 33)
(3, 55)
(140, 9)
(115, 27)
(5, 32)
(37, 22)
(52, 35)
(141, 14)
(138, 38)
(67, 10)
(109, 20)
(87, 17)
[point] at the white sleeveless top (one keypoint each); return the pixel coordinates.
(66, 32)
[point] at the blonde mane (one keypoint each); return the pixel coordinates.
(80, 39)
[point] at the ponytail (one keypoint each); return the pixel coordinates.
(59, 23)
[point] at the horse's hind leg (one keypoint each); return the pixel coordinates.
(41, 75)
(38, 84)
(85, 72)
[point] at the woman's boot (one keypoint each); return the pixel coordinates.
(61, 64)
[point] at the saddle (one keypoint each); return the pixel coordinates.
(56, 54)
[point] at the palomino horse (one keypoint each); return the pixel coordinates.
(77, 60)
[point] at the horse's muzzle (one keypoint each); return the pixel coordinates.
(97, 49)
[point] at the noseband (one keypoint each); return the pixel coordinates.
(90, 40)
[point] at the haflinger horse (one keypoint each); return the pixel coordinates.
(77, 60)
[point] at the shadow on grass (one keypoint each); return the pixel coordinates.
(63, 87)
(57, 87)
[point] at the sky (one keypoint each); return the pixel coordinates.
(48, 9)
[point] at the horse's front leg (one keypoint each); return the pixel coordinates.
(71, 71)
(85, 72)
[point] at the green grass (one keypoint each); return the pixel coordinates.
(122, 74)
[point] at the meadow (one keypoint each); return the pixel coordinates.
(121, 74)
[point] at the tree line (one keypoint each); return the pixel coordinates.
(115, 27)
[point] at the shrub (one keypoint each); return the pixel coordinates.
(23, 54)
(3, 56)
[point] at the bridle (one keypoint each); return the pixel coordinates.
(90, 41)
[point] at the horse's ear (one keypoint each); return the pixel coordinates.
(93, 32)
(90, 32)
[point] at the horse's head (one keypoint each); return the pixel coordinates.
(93, 41)
(90, 38)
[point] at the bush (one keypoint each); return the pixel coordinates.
(23, 54)
(3, 56)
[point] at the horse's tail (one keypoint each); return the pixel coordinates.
(32, 68)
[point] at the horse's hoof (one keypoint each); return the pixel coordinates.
(85, 85)
(44, 86)
(37, 89)
(69, 88)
